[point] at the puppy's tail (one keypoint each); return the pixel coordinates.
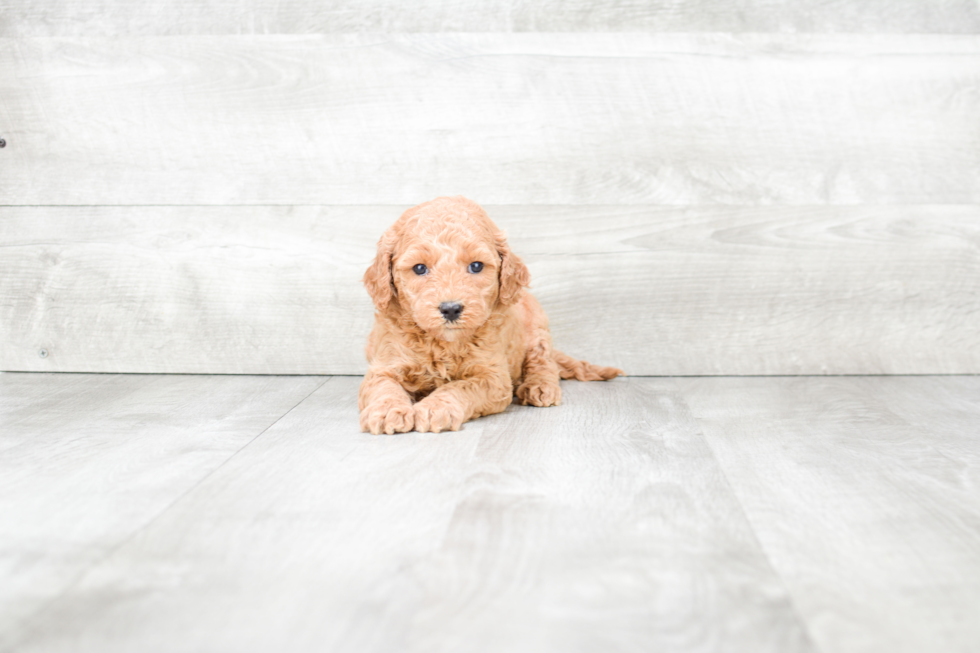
(571, 368)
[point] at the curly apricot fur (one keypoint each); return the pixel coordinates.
(430, 374)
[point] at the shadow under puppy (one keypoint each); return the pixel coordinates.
(455, 334)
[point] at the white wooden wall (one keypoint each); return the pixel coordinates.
(708, 187)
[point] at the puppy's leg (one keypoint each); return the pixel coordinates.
(539, 382)
(385, 406)
(458, 401)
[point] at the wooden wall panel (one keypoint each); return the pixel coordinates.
(168, 17)
(504, 118)
(655, 290)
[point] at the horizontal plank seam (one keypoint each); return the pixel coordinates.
(680, 205)
(777, 376)
(628, 376)
(806, 38)
(326, 376)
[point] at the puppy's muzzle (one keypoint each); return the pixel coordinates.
(451, 310)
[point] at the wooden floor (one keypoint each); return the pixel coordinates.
(235, 513)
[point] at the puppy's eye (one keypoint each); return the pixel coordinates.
(420, 269)
(475, 267)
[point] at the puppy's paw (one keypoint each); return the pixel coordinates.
(539, 393)
(437, 415)
(386, 418)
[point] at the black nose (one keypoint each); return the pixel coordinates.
(451, 310)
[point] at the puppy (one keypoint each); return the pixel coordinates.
(455, 334)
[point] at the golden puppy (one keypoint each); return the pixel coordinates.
(455, 335)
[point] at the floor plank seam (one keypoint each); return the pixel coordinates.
(27, 629)
(804, 626)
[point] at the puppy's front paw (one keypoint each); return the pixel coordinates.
(385, 418)
(539, 393)
(436, 415)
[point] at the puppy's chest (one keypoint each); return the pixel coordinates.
(436, 367)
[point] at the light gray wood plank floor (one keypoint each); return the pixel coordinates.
(163, 513)
(86, 461)
(865, 493)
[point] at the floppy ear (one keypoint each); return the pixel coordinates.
(514, 275)
(378, 280)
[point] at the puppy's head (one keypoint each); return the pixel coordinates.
(445, 265)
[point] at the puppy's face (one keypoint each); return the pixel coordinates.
(445, 265)
(447, 279)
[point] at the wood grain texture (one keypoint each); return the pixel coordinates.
(654, 290)
(169, 17)
(603, 525)
(946, 410)
(504, 118)
(871, 516)
(86, 461)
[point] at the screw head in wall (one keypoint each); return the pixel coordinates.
(43, 353)
(3, 143)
